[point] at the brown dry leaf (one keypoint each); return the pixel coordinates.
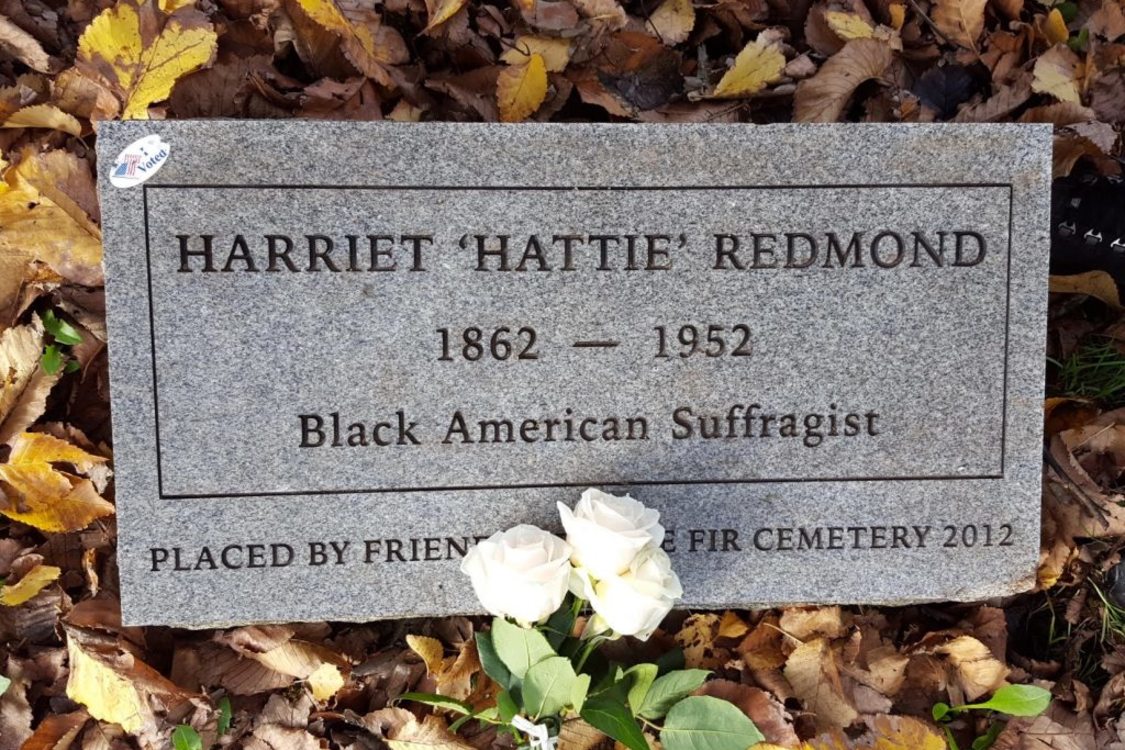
(29, 585)
(40, 495)
(43, 116)
(767, 713)
(1010, 8)
(978, 672)
(697, 638)
(41, 221)
(1000, 105)
(762, 648)
(555, 52)
(1058, 73)
(316, 664)
(431, 733)
(24, 384)
(370, 47)
(673, 21)
(961, 21)
(1096, 284)
(813, 672)
(576, 734)
(521, 89)
(805, 623)
(825, 96)
(140, 53)
(23, 46)
(758, 65)
(56, 731)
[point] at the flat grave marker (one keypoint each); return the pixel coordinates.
(341, 352)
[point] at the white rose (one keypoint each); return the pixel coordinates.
(520, 573)
(607, 531)
(636, 601)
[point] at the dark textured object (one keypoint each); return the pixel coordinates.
(1088, 225)
(944, 89)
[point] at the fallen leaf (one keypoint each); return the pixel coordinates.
(429, 734)
(56, 731)
(755, 67)
(29, 585)
(325, 681)
(43, 116)
(1054, 28)
(1097, 284)
(23, 46)
(113, 684)
(370, 47)
(521, 89)
(38, 220)
(961, 21)
(813, 672)
(555, 52)
(825, 96)
(977, 670)
(140, 53)
(40, 495)
(24, 384)
(673, 20)
(805, 623)
(440, 11)
(1057, 72)
(849, 25)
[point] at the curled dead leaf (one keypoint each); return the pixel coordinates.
(1057, 72)
(29, 585)
(40, 495)
(960, 21)
(825, 96)
(1097, 284)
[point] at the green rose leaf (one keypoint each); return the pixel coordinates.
(186, 738)
(5, 683)
(438, 701)
(519, 648)
(548, 686)
(669, 689)
(612, 717)
(580, 691)
(641, 677)
(702, 722)
(490, 661)
(1015, 700)
(506, 706)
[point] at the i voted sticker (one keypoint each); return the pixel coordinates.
(139, 161)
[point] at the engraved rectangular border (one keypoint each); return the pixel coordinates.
(572, 188)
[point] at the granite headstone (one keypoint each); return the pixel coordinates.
(342, 352)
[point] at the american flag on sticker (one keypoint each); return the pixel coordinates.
(128, 166)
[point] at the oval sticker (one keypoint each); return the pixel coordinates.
(139, 161)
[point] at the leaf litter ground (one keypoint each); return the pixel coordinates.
(812, 678)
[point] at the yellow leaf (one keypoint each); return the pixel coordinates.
(325, 681)
(824, 97)
(39, 220)
(440, 11)
(756, 66)
(814, 673)
(732, 626)
(24, 385)
(1057, 72)
(430, 649)
(1097, 284)
(904, 733)
(431, 734)
(961, 21)
(44, 116)
(114, 685)
(40, 495)
(673, 21)
(897, 12)
(521, 89)
(1054, 28)
(141, 53)
(555, 52)
(367, 49)
(849, 25)
(978, 671)
(32, 583)
(171, 6)
(108, 695)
